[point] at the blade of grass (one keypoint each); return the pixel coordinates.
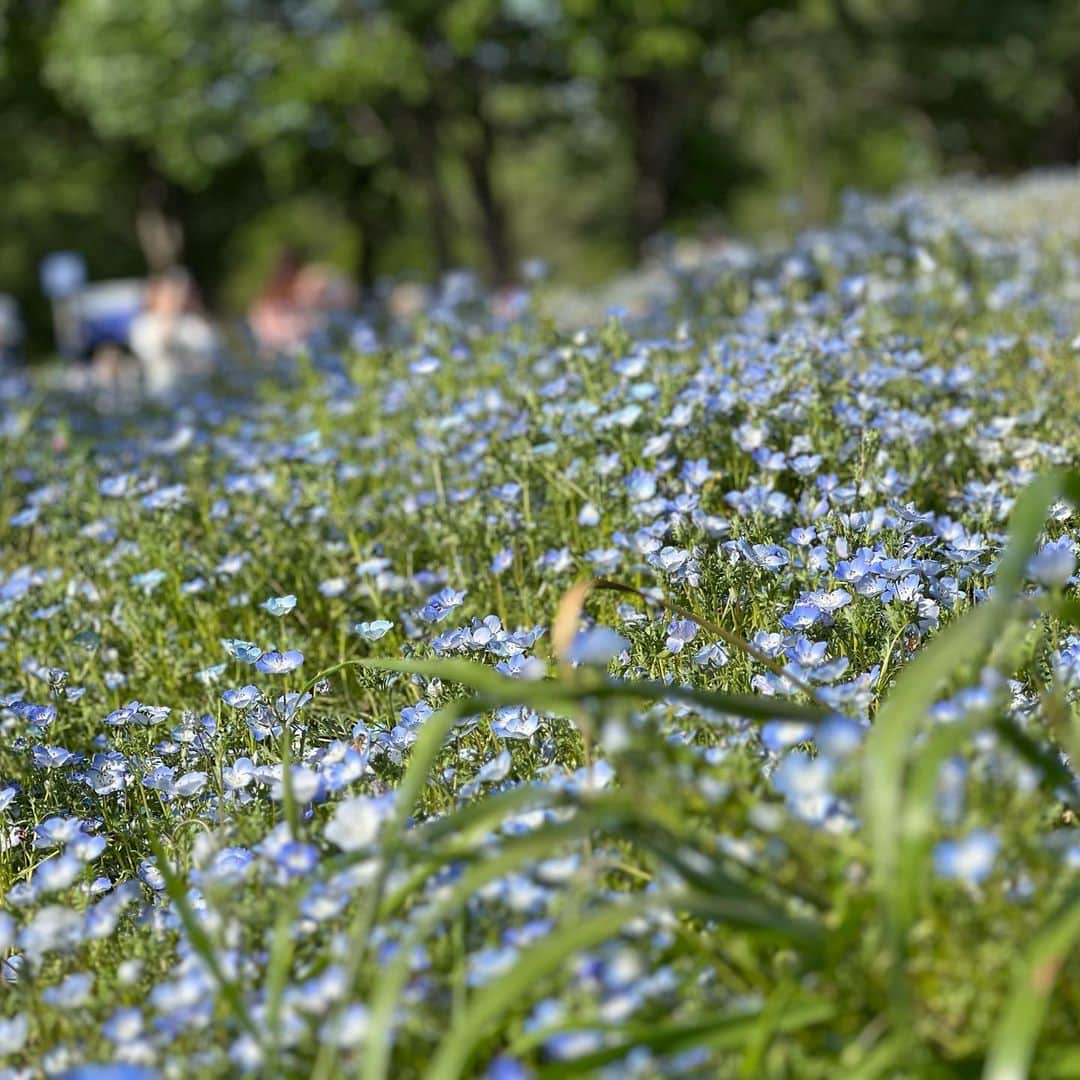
(958, 645)
(534, 964)
(919, 815)
(555, 695)
(425, 752)
(899, 718)
(200, 940)
(726, 1031)
(1056, 775)
(1012, 1046)
(1026, 523)
(516, 852)
(888, 740)
(282, 948)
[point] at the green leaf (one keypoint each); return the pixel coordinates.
(555, 695)
(896, 722)
(514, 853)
(1012, 1045)
(723, 1031)
(282, 948)
(916, 689)
(535, 963)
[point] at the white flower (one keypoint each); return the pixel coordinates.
(356, 822)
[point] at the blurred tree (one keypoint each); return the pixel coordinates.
(439, 131)
(204, 87)
(62, 187)
(356, 97)
(660, 66)
(997, 80)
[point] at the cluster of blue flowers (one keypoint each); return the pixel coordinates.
(189, 753)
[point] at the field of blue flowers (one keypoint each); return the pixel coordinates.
(692, 695)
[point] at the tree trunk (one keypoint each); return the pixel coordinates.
(479, 159)
(657, 135)
(372, 214)
(427, 154)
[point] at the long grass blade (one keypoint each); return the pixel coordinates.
(1012, 1047)
(533, 965)
(723, 1031)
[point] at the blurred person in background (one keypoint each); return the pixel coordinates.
(171, 337)
(279, 320)
(329, 299)
(302, 302)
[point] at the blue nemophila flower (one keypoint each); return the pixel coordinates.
(72, 992)
(306, 785)
(39, 716)
(332, 587)
(288, 705)
(278, 663)
(148, 581)
(295, 859)
(238, 775)
(229, 866)
(372, 567)
(13, 1033)
(501, 560)
(440, 604)
(520, 666)
(24, 518)
(262, 723)
(56, 873)
(116, 1070)
(588, 515)
(191, 783)
(124, 1026)
(279, 605)
(56, 831)
(53, 757)
(86, 847)
(680, 633)
(805, 782)
(210, 674)
(243, 698)
(489, 963)
(1054, 564)
(166, 498)
(116, 486)
(969, 859)
(247, 651)
(641, 485)
(713, 655)
(780, 735)
(596, 647)
(801, 617)
(515, 722)
(372, 631)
